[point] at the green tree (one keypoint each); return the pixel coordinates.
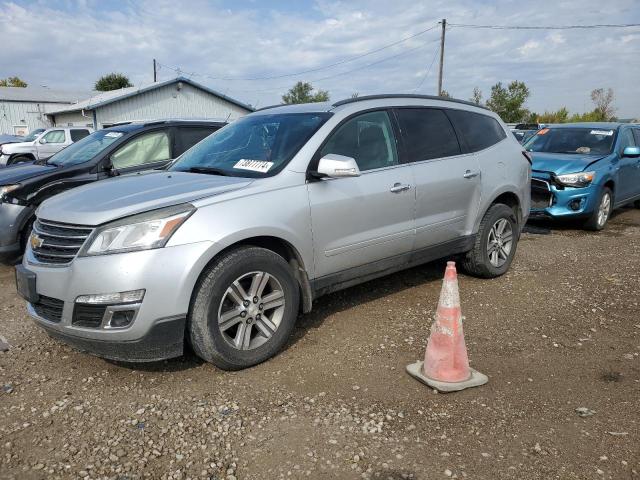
(13, 82)
(302, 92)
(603, 100)
(559, 116)
(476, 96)
(112, 81)
(509, 102)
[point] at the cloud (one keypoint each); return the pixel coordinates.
(69, 44)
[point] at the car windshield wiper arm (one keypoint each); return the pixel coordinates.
(210, 171)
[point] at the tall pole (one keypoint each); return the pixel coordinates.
(444, 27)
(155, 74)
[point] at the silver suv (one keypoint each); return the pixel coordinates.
(243, 231)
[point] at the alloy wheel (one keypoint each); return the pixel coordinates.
(251, 310)
(500, 242)
(604, 210)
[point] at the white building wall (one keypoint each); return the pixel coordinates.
(74, 119)
(168, 102)
(28, 114)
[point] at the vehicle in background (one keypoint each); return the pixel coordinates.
(10, 139)
(523, 135)
(584, 170)
(286, 204)
(126, 148)
(41, 146)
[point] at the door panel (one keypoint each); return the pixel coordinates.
(56, 141)
(360, 220)
(628, 173)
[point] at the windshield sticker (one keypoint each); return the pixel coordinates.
(543, 131)
(608, 133)
(113, 134)
(254, 165)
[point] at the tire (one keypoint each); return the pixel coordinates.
(636, 204)
(596, 221)
(213, 296)
(478, 261)
(19, 159)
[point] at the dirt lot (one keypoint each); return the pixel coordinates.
(559, 332)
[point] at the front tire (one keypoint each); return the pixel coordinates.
(495, 244)
(244, 308)
(602, 212)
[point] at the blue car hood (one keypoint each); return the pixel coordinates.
(561, 163)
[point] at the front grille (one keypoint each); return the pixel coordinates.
(57, 243)
(541, 196)
(49, 308)
(88, 316)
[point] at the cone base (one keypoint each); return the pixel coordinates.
(476, 379)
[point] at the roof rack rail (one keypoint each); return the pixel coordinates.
(405, 95)
(270, 106)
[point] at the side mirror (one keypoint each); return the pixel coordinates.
(631, 152)
(43, 141)
(337, 166)
(110, 169)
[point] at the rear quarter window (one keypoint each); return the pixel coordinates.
(187, 137)
(427, 134)
(477, 131)
(78, 134)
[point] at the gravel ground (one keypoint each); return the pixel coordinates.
(559, 332)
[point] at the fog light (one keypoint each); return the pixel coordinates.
(122, 318)
(574, 204)
(133, 296)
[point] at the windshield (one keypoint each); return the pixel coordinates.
(33, 134)
(572, 140)
(254, 146)
(85, 149)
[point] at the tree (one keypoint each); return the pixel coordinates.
(112, 81)
(13, 82)
(508, 102)
(301, 92)
(355, 95)
(559, 116)
(476, 97)
(603, 100)
(444, 94)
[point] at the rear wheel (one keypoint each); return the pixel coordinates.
(19, 159)
(244, 308)
(495, 244)
(602, 212)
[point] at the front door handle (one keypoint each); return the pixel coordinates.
(399, 187)
(471, 174)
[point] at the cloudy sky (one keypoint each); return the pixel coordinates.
(252, 50)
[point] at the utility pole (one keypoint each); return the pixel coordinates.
(155, 75)
(444, 27)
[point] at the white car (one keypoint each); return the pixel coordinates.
(43, 146)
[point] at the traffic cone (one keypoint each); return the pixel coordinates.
(446, 365)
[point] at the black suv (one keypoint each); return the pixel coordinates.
(124, 148)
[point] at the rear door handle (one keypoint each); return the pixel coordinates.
(399, 187)
(470, 174)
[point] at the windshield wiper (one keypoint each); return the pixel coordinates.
(210, 171)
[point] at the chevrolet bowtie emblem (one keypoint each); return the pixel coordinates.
(36, 241)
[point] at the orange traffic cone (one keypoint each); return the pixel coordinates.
(446, 365)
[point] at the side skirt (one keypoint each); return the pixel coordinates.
(353, 276)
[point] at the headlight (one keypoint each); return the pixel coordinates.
(580, 179)
(4, 189)
(139, 232)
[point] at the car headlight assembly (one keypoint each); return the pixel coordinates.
(578, 180)
(4, 189)
(144, 231)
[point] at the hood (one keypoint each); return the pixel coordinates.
(23, 171)
(108, 200)
(13, 145)
(561, 163)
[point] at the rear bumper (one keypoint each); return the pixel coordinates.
(164, 340)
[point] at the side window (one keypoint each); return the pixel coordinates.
(78, 134)
(478, 131)
(626, 139)
(427, 134)
(636, 134)
(368, 138)
(187, 137)
(54, 136)
(147, 148)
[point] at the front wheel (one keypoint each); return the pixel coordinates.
(495, 244)
(244, 308)
(602, 212)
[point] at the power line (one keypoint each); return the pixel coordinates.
(545, 27)
(435, 54)
(311, 70)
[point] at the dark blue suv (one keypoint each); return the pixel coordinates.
(584, 170)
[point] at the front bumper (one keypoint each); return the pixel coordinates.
(12, 218)
(562, 202)
(167, 275)
(3, 160)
